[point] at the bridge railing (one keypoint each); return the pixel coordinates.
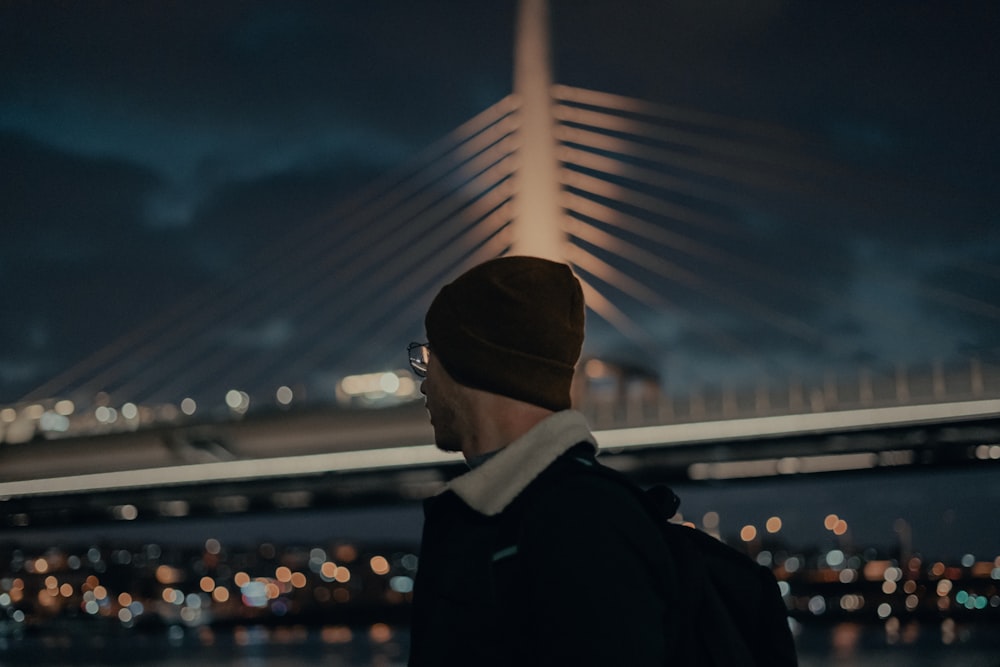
(611, 398)
(619, 399)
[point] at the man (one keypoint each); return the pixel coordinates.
(529, 558)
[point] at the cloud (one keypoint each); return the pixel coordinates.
(85, 267)
(54, 204)
(206, 95)
(961, 294)
(76, 262)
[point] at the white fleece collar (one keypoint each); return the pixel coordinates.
(489, 488)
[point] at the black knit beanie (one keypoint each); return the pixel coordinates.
(512, 326)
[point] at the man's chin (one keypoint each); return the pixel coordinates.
(446, 443)
(448, 446)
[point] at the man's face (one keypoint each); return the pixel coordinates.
(445, 403)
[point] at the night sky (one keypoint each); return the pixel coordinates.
(150, 149)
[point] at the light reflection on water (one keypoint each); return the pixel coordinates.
(843, 645)
(855, 645)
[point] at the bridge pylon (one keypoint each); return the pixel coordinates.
(538, 219)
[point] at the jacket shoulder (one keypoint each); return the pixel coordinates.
(579, 483)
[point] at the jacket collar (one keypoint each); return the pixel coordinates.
(489, 488)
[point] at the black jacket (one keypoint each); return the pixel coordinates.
(548, 564)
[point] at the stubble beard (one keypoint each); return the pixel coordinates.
(445, 437)
(446, 440)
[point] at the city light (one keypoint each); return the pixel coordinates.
(988, 452)
(238, 401)
(284, 395)
(379, 565)
(377, 389)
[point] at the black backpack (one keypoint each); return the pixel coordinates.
(734, 615)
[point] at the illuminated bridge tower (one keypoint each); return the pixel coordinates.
(538, 222)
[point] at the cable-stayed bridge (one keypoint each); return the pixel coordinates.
(344, 293)
(670, 218)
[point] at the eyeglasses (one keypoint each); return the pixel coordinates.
(420, 354)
